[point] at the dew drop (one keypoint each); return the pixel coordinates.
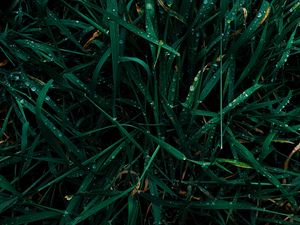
(192, 88)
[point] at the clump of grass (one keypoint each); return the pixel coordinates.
(149, 112)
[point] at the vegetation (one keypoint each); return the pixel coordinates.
(149, 112)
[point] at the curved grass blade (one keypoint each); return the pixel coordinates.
(101, 62)
(138, 61)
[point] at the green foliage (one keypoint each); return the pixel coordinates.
(149, 112)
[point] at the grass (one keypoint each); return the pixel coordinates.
(149, 112)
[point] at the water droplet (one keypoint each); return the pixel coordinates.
(192, 88)
(33, 88)
(259, 15)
